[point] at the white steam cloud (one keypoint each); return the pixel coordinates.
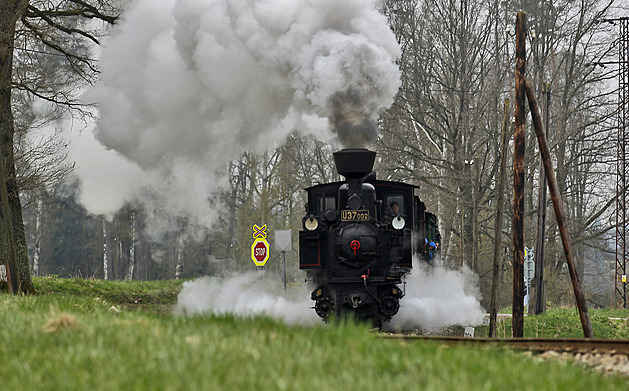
(438, 297)
(435, 298)
(247, 294)
(188, 85)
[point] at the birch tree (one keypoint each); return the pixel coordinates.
(38, 228)
(131, 268)
(105, 251)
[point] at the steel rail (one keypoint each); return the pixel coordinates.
(572, 345)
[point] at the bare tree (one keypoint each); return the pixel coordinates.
(267, 188)
(566, 40)
(443, 129)
(442, 132)
(62, 28)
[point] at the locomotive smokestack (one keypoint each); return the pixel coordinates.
(354, 165)
(354, 162)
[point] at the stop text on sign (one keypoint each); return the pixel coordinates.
(259, 247)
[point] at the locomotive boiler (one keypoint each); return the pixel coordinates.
(358, 240)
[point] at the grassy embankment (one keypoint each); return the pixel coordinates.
(69, 338)
(565, 323)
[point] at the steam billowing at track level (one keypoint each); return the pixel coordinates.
(189, 85)
(435, 298)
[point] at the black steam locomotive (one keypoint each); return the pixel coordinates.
(358, 240)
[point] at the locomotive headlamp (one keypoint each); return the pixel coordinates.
(311, 223)
(398, 222)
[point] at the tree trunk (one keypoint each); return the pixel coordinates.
(132, 249)
(493, 314)
(38, 229)
(179, 267)
(10, 12)
(105, 259)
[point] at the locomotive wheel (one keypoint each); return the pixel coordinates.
(389, 306)
(324, 307)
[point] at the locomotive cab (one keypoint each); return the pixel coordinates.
(358, 240)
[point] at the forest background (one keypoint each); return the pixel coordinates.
(442, 134)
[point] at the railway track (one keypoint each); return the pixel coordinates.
(568, 345)
(604, 355)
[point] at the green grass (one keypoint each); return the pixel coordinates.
(566, 323)
(71, 340)
(128, 294)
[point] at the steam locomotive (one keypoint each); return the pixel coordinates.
(358, 240)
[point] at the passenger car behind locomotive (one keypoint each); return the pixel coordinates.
(358, 240)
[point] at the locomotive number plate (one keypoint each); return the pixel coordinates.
(355, 215)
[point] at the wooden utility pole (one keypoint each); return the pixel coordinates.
(559, 213)
(517, 320)
(493, 313)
